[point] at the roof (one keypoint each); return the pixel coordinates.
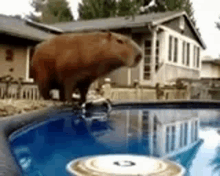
(21, 28)
(123, 22)
(212, 61)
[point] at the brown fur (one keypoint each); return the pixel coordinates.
(72, 61)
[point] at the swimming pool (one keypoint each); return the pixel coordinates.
(189, 137)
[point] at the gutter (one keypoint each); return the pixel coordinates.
(44, 27)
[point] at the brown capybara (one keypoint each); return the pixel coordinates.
(73, 61)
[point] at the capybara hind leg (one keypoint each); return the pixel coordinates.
(44, 90)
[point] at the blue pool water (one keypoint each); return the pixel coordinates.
(188, 137)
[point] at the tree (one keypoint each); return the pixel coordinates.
(128, 7)
(93, 9)
(52, 11)
(168, 5)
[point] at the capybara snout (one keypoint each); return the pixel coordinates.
(73, 61)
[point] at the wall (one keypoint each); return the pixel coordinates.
(174, 24)
(210, 70)
(172, 72)
(18, 63)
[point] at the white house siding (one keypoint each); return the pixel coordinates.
(209, 70)
(172, 72)
(18, 63)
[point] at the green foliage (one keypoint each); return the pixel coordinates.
(93, 9)
(128, 7)
(53, 11)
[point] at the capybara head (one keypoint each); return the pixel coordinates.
(123, 48)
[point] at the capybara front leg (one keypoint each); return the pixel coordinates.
(83, 92)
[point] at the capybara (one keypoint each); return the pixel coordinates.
(73, 61)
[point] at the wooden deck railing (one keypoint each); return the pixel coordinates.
(27, 91)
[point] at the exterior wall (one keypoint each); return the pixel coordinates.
(178, 69)
(210, 70)
(174, 24)
(172, 72)
(18, 63)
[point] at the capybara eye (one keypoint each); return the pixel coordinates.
(120, 41)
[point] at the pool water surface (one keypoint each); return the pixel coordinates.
(188, 137)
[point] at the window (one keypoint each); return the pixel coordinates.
(157, 55)
(147, 59)
(192, 132)
(145, 123)
(173, 138)
(196, 130)
(194, 56)
(181, 135)
(155, 137)
(198, 57)
(9, 55)
(188, 54)
(183, 53)
(175, 50)
(31, 53)
(170, 47)
(167, 139)
(186, 134)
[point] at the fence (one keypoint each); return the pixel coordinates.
(146, 94)
(28, 91)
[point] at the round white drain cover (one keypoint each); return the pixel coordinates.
(123, 165)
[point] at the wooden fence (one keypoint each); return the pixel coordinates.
(31, 92)
(27, 91)
(146, 94)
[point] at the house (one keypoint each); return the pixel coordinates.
(171, 44)
(210, 68)
(18, 37)
(160, 133)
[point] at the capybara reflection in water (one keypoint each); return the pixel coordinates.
(73, 61)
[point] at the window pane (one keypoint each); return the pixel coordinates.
(147, 51)
(188, 54)
(173, 138)
(181, 135)
(147, 60)
(147, 68)
(192, 132)
(176, 50)
(198, 57)
(167, 139)
(170, 48)
(147, 43)
(147, 76)
(183, 54)
(194, 56)
(186, 134)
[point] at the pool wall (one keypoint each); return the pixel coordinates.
(8, 125)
